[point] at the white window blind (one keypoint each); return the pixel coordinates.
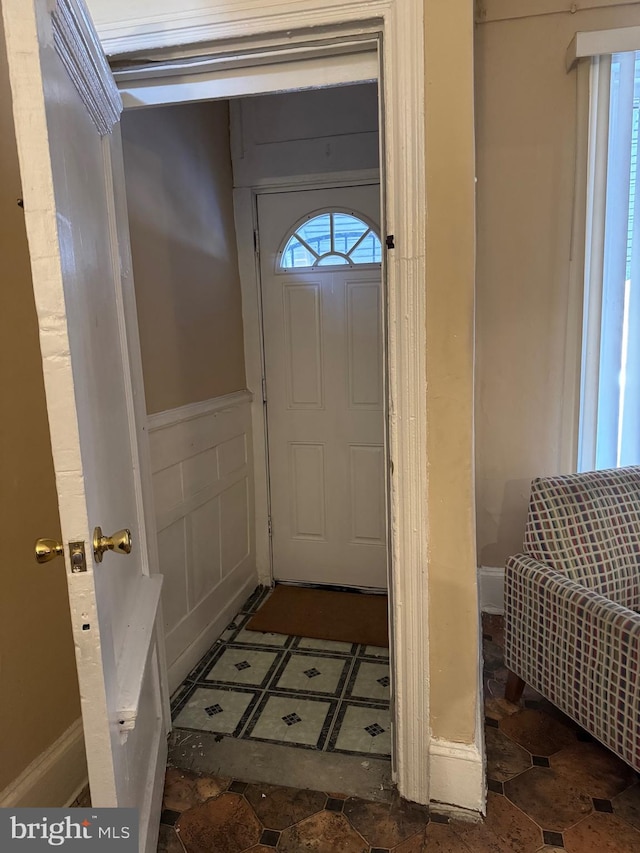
(610, 388)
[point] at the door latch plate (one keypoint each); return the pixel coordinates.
(78, 557)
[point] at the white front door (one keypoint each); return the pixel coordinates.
(66, 110)
(322, 316)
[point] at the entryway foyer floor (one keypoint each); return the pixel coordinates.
(551, 788)
(319, 695)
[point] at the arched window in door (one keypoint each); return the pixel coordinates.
(330, 238)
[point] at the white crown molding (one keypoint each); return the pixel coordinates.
(171, 417)
(75, 38)
(208, 22)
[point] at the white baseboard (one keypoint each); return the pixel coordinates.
(491, 587)
(457, 784)
(55, 778)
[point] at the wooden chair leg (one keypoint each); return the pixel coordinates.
(514, 688)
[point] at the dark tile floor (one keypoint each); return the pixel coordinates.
(551, 788)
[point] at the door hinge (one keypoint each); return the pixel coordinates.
(264, 389)
(390, 241)
(255, 241)
(270, 526)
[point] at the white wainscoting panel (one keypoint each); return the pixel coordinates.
(201, 458)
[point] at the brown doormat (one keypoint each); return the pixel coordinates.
(349, 617)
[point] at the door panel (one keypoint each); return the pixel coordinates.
(73, 189)
(307, 498)
(303, 342)
(366, 480)
(325, 401)
(365, 345)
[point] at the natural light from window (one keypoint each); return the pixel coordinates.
(610, 398)
(331, 239)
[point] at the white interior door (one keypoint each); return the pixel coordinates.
(323, 341)
(66, 109)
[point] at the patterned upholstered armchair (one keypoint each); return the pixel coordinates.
(570, 627)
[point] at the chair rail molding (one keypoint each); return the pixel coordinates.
(171, 417)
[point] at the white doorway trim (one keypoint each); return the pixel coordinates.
(210, 29)
(214, 78)
(188, 29)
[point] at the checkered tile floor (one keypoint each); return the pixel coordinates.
(312, 694)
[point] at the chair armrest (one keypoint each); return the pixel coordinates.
(578, 649)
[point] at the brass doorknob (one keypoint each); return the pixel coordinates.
(120, 542)
(48, 549)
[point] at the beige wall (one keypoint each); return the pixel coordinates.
(179, 191)
(38, 685)
(449, 147)
(304, 133)
(526, 124)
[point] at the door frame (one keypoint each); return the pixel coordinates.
(427, 767)
(411, 735)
